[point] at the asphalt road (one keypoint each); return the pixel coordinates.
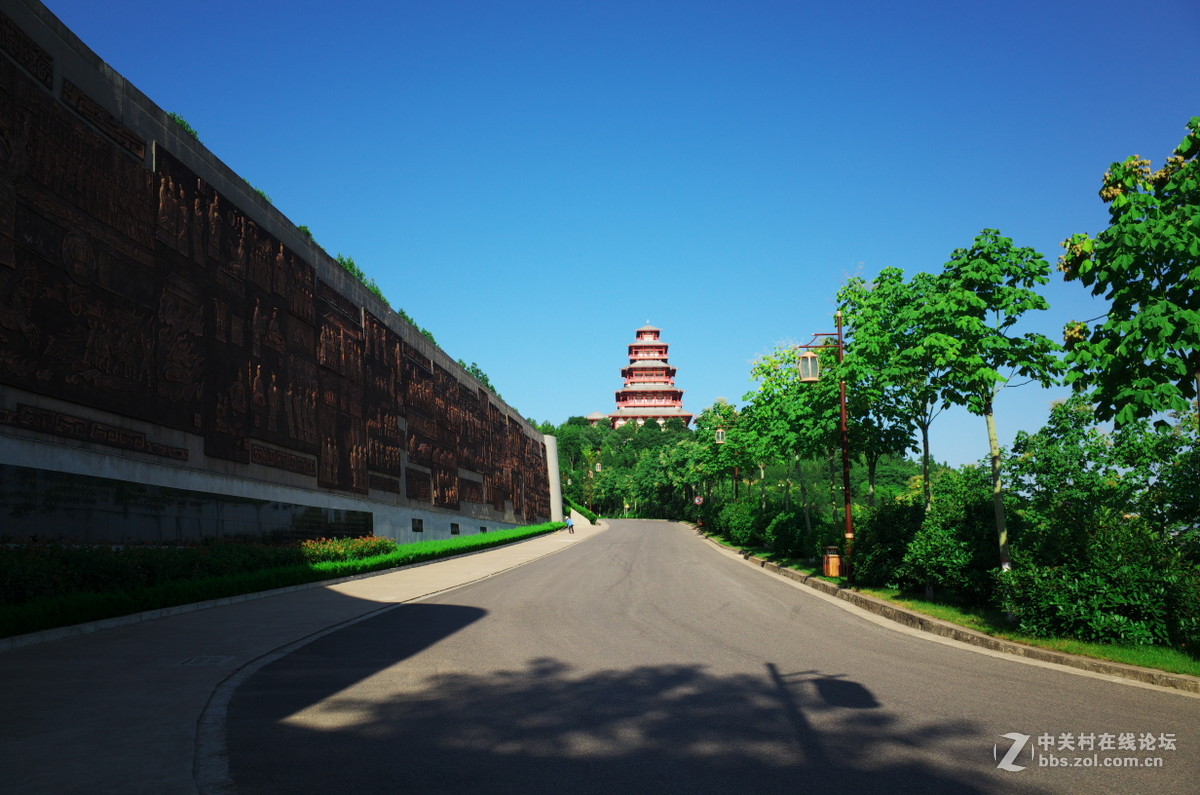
(646, 660)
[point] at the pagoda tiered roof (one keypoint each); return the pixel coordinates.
(649, 352)
(651, 386)
(630, 412)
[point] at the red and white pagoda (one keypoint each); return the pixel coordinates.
(649, 392)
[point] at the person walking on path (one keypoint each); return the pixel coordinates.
(570, 525)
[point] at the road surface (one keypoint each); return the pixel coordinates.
(647, 660)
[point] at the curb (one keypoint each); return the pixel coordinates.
(934, 626)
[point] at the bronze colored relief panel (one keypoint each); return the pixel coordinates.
(418, 486)
(153, 296)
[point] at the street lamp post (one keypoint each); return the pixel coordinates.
(719, 437)
(809, 367)
(593, 466)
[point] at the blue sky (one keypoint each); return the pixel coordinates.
(532, 181)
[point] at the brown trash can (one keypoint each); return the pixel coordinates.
(833, 562)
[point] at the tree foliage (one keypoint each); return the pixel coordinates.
(1144, 356)
(954, 549)
(887, 362)
(350, 266)
(982, 294)
(1105, 520)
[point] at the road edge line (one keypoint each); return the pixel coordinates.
(922, 623)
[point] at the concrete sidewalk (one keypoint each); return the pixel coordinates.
(136, 708)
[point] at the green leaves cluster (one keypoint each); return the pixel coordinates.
(477, 371)
(1144, 356)
(348, 264)
(1105, 533)
(182, 122)
(1105, 522)
(1128, 583)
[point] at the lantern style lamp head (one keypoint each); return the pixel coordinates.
(720, 436)
(597, 466)
(809, 366)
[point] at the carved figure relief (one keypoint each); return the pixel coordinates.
(180, 343)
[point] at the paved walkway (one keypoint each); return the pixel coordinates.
(137, 708)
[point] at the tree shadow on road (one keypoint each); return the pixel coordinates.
(304, 726)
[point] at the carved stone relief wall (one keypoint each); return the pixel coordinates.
(153, 295)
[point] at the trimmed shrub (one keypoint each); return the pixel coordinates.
(591, 517)
(955, 548)
(882, 539)
(824, 534)
(738, 521)
(52, 585)
(785, 533)
(1129, 586)
(323, 549)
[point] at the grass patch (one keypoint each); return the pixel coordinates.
(994, 622)
(68, 607)
(805, 565)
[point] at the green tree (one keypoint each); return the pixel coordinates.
(1162, 462)
(350, 266)
(982, 293)
(798, 421)
(1144, 357)
(664, 479)
(681, 472)
(720, 458)
(954, 547)
(1069, 479)
(1111, 547)
(1074, 478)
(889, 356)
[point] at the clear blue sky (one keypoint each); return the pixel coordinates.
(532, 181)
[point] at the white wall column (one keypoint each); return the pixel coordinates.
(552, 475)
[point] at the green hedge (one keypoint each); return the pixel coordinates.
(44, 586)
(1128, 585)
(591, 517)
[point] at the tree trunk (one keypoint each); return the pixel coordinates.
(925, 466)
(833, 500)
(804, 501)
(872, 464)
(997, 488)
(762, 480)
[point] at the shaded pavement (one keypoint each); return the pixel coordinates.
(137, 708)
